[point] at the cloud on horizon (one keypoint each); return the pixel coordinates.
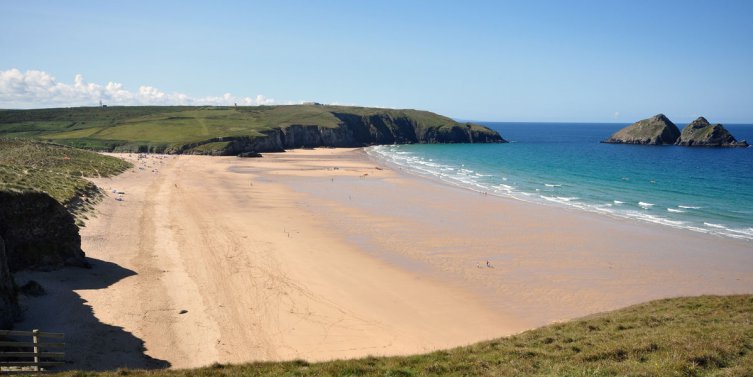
(36, 89)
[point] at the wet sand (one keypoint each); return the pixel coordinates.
(322, 254)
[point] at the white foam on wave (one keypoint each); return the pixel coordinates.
(460, 175)
(655, 219)
(566, 199)
(605, 208)
(747, 232)
(645, 205)
(562, 200)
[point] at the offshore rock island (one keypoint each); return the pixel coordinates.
(236, 130)
(659, 130)
(701, 133)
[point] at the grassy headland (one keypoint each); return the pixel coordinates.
(206, 130)
(58, 170)
(696, 336)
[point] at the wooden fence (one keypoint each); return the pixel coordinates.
(23, 356)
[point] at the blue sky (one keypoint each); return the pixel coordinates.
(613, 61)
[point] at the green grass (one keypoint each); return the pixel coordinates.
(702, 133)
(697, 336)
(210, 148)
(55, 169)
(148, 128)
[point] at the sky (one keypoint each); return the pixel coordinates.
(558, 61)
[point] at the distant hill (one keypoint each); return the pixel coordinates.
(231, 130)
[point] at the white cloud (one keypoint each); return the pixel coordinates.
(35, 89)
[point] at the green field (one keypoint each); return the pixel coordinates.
(55, 169)
(697, 336)
(160, 128)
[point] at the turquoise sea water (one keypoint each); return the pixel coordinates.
(707, 190)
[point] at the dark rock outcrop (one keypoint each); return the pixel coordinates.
(39, 233)
(657, 130)
(701, 133)
(9, 310)
(249, 155)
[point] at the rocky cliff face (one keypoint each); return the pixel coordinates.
(38, 232)
(701, 133)
(9, 309)
(657, 130)
(353, 131)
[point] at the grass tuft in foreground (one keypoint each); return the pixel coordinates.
(696, 336)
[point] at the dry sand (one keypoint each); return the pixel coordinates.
(319, 254)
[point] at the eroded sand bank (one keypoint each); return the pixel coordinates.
(319, 254)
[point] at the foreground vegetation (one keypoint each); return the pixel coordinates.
(698, 336)
(55, 169)
(180, 128)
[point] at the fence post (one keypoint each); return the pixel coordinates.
(35, 339)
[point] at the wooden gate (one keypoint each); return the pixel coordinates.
(36, 355)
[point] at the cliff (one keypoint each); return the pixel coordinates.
(41, 186)
(657, 130)
(353, 131)
(9, 309)
(38, 232)
(701, 133)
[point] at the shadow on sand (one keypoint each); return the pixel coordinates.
(90, 344)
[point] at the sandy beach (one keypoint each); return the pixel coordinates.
(324, 254)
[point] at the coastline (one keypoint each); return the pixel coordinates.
(583, 262)
(631, 197)
(301, 255)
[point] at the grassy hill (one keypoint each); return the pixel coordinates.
(697, 336)
(58, 170)
(209, 129)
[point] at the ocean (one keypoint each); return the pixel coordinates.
(708, 190)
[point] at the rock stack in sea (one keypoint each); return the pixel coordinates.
(656, 130)
(701, 133)
(659, 130)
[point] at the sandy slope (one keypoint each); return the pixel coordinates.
(319, 255)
